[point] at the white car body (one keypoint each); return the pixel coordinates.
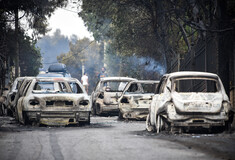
(136, 99)
(174, 109)
(105, 96)
(63, 102)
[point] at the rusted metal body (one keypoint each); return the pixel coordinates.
(189, 100)
(11, 96)
(106, 94)
(54, 101)
(136, 99)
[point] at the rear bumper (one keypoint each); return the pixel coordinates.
(198, 120)
(134, 113)
(107, 109)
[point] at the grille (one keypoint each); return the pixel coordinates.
(59, 103)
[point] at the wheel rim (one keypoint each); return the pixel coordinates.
(149, 127)
(158, 125)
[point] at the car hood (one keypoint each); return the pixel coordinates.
(197, 102)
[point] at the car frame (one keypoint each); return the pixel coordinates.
(178, 111)
(134, 104)
(105, 101)
(11, 95)
(61, 106)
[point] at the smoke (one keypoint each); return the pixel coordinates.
(51, 47)
(134, 66)
(152, 65)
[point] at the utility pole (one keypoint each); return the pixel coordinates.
(83, 68)
(17, 43)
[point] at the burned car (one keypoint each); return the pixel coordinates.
(136, 99)
(190, 100)
(106, 94)
(15, 93)
(54, 101)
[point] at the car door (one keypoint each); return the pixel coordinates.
(95, 92)
(157, 99)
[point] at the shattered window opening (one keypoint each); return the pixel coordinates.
(75, 87)
(44, 86)
(148, 88)
(195, 85)
(114, 86)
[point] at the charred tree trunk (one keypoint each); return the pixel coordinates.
(17, 43)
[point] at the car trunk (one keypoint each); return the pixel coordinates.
(197, 102)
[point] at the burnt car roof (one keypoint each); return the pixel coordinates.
(117, 79)
(55, 79)
(146, 81)
(191, 74)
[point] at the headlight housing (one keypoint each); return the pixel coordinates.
(124, 100)
(34, 102)
(83, 103)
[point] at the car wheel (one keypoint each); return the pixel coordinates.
(149, 127)
(158, 124)
(16, 115)
(93, 110)
(97, 109)
(228, 124)
(89, 120)
(120, 115)
(25, 119)
(1, 110)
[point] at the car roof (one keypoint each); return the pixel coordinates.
(117, 78)
(191, 73)
(146, 81)
(55, 79)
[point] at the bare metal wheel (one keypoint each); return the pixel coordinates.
(120, 115)
(93, 109)
(159, 124)
(97, 108)
(16, 114)
(1, 110)
(25, 118)
(89, 119)
(149, 127)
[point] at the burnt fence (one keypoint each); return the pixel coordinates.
(214, 55)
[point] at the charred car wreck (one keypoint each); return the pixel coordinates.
(54, 101)
(189, 100)
(136, 99)
(106, 94)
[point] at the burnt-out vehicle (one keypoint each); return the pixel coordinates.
(106, 94)
(54, 101)
(136, 99)
(185, 101)
(15, 93)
